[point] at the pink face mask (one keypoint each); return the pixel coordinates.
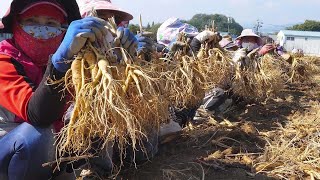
(37, 42)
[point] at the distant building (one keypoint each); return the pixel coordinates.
(4, 36)
(307, 41)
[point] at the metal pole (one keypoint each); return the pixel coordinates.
(228, 25)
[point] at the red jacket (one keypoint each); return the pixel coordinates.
(19, 81)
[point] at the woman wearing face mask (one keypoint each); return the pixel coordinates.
(135, 45)
(249, 40)
(216, 99)
(29, 107)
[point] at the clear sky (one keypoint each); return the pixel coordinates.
(276, 12)
(272, 12)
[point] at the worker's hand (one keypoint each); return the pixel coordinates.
(145, 46)
(266, 49)
(207, 36)
(79, 31)
(127, 40)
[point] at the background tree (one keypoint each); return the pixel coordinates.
(134, 28)
(150, 28)
(154, 29)
(200, 21)
(308, 25)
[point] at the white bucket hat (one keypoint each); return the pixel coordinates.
(250, 33)
(85, 7)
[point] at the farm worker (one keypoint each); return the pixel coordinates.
(279, 48)
(105, 9)
(205, 36)
(248, 42)
(28, 105)
(46, 33)
(169, 30)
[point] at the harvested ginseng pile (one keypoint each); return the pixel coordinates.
(259, 77)
(303, 69)
(216, 67)
(121, 102)
(190, 76)
(184, 83)
(293, 151)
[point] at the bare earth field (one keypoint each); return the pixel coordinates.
(226, 145)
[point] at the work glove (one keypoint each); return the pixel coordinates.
(266, 49)
(79, 31)
(185, 115)
(145, 46)
(160, 48)
(127, 40)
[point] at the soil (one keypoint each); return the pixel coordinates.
(188, 155)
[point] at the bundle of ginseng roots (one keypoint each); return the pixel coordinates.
(302, 68)
(253, 77)
(121, 103)
(112, 102)
(293, 151)
(259, 78)
(263, 77)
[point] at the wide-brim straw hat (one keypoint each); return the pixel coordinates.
(250, 33)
